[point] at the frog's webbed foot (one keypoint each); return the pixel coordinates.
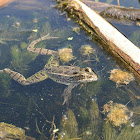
(67, 93)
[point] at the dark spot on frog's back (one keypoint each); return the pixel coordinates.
(75, 72)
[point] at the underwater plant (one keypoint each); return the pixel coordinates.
(121, 77)
(76, 30)
(116, 113)
(69, 127)
(65, 55)
(20, 57)
(86, 50)
(9, 131)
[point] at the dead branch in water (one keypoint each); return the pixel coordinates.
(111, 38)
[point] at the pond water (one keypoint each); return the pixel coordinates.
(33, 107)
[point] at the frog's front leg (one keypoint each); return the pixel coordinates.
(67, 92)
(37, 77)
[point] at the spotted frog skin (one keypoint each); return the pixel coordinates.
(68, 75)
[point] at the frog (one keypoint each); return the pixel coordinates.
(71, 76)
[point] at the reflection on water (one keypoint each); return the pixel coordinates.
(38, 108)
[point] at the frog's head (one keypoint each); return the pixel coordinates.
(87, 75)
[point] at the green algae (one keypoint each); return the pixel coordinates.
(9, 131)
(5, 84)
(46, 28)
(23, 45)
(91, 131)
(109, 132)
(129, 133)
(83, 113)
(21, 57)
(69, 126)
(136, 115)
(15, 52)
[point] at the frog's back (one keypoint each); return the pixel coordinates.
(69, 74)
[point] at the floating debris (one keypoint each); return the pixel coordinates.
(35, 20)
(55, 130)
(65, 54)
(116, 113)
(121, 77)
(28, 31)
(17, 24)
(35, 30)
(86, 50)
(70, 38)
(76, 30)
(68, 19)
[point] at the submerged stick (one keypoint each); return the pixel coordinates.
(112, 39)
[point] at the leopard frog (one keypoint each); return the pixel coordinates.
(68, 75)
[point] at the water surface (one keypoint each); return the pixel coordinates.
(30, 106)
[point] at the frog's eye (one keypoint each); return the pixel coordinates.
(87, 70)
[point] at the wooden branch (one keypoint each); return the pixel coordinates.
(113, 40)
(114, 11)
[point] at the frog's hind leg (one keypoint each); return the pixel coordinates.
(53, 61)
(37, 77)
(41, 51)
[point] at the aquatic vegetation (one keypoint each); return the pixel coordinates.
(23, 45)
(8, 131)
(116, 113)
(120, 77)
(89, 120)
(69, 126)
(126, 133)
(94, 122)
(4, 84)
(86, 50)
(135, 115)
(46, 28)
(83, 113)
(35, 20)
(129, 133)
(21, 57)
(15, 52)
(63, 34)
(76, 30)
(109, 132)
(65, 55)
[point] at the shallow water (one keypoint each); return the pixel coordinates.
(29, 106)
